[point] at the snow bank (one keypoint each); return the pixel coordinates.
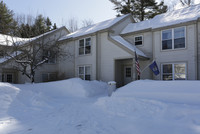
(187, 92)
(67, 88)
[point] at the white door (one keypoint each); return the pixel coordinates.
(127, 74)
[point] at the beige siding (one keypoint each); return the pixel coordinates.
(147, 48)
(121, 25)
(89, 59)
(109, 53)
(186, 55)
(198, 49)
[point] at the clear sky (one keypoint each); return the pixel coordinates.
(59, 11)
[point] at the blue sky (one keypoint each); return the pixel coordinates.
(59, 11)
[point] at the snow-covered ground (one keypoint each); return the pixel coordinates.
(82, 107)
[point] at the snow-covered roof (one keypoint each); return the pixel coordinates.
(128, 45)
(94, 28)
(182, 15)
(7, 40)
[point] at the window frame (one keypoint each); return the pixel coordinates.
(48, 77)
(49, 61)
(173, 70)
(84, 47)
(84, 72)
(173, 38)
(4, 77)
(141, 40)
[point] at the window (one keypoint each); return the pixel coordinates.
(2, 53)
(173, 38)
(7, 77)
(175, 71)
(85, 46)
(128, 71)
(84, 72)
(49, 77)
(138, 40)
(50, 55)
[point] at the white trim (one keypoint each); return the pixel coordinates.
(173, 71)
(84, 46)
(172, 29)
(84, 72)
(142, 40)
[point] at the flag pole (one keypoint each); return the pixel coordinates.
(147, 65)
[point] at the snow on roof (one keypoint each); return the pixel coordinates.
(7, 40)
(170, 18)
(94, 28)
(128, 45)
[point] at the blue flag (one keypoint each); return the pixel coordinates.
(154, 68)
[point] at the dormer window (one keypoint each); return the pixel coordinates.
(138, 40)
(85, 46)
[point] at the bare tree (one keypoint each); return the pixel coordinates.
(29, 54)
(72, 24)
(186, 2)
(87, 22)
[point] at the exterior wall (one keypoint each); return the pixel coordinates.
(89, 59)
(121, 25)
(187, 55)
(147, 48)
(109, 52)
(198, 48)
(66, 66)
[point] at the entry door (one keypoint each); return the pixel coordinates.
(127, 74)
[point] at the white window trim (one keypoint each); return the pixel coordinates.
(85, 46)
(142, 40)
(48, 75)
(84, 66)
(173, 39)
(173, 74)
(48, 61)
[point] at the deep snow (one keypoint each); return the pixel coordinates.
(75, 106)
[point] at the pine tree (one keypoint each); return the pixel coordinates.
(140, 9)
(7, 23)
(48, 24)
(54, 26)
(40, 25)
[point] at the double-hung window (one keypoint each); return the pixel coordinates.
(85, 46)
(174, 71)
(173, 38)
(49, 77)
(138, 40)
(84, 72)
(50, 56)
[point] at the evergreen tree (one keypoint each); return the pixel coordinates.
(48, 24)
(140, 9)
(54, 26)
(40, 25)
(7, 23)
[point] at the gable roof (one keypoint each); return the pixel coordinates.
(182, 15)
(128, 45)
(7, 40)
(94, 28)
